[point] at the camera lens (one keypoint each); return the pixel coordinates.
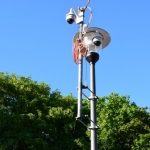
(70, 20)
(97, 43)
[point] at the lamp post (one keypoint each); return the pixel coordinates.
(80, 70)
(96, 39)
(88, 42)
(92, 58)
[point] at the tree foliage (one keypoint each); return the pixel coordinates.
(124, 126)
(34, 118)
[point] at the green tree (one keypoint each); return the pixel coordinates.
(32, 117)
(123, 125)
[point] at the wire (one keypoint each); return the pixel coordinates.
(86, 5)
(90, 20)
(91, 15)
(74, 127)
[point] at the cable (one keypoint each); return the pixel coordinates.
(74, 127)
(91, 15)
(86, 5)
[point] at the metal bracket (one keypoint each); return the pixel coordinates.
(89, 128)
(84, 124)
(92, 128)
(84, 87)
(93, 97)
(89, 98)
(85, 96)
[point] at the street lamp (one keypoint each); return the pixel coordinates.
(87, 42)
(95, 39)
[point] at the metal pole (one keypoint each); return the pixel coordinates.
(94, 145)
(80, 66)
(92, 58)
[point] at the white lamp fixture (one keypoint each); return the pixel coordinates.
(95, 39)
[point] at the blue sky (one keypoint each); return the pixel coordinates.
(36, 40)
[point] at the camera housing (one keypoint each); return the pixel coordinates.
(74, 16)
(70, 17)
(97, 40)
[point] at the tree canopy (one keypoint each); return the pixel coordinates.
(124, 125)
(32, 117)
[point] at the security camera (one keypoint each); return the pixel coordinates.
(70, 17)
(97, 40)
